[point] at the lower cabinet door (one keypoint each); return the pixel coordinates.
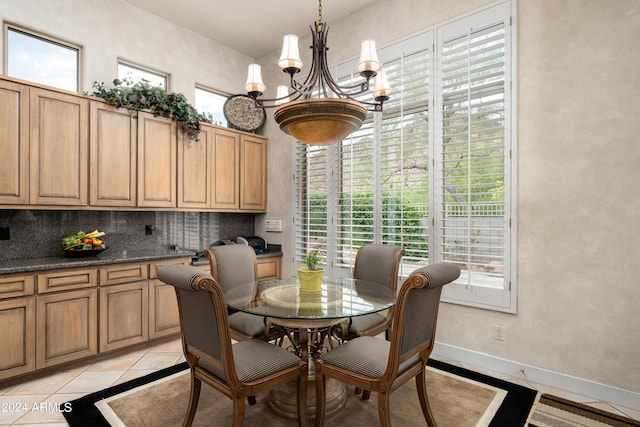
(66, 327)
(164, 318)
(17, 340)
(123, 315)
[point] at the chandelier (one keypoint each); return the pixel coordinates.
(317, 110)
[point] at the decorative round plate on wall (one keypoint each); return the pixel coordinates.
(242, 114)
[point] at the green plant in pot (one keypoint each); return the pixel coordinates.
(311, 275)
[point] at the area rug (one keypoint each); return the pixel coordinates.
(553, 411)
(458, 397)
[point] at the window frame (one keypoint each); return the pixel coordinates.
(143, 69)
(47, 39)
(505, 298)
(203, 88)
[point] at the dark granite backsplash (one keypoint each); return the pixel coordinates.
(38, 233)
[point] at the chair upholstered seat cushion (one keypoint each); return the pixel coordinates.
(361, 323)
(255, 359)
(249, 324)
(366, 356)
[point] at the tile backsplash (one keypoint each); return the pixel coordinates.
(38, 233)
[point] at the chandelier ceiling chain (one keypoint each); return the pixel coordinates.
(316, 109)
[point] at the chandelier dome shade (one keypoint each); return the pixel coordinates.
(320, 121)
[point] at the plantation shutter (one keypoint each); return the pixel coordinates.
(472, 224)
(404, 156)
(312, 191)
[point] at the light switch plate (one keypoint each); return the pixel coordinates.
(273, 225)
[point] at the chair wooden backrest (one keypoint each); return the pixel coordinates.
(210, 344)
(238, 370)
(415, 314)
(378, 263)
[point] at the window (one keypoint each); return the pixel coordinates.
(42, 60)
(432, 173)
(138, 74)
(208, 101)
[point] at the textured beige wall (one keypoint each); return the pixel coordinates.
(578, 171)
(111, 29)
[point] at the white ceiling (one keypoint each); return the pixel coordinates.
(253, 27)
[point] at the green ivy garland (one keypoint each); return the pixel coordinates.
(144, 96)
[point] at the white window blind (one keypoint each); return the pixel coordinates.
(473, 157)
(433, 172)
(311, 192)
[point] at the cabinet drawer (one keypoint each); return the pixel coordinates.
(122, 273)
(153, 267)
(16, 285)
(64, 280)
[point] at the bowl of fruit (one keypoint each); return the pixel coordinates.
(84, 244)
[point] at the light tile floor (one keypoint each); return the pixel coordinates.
(38, 402)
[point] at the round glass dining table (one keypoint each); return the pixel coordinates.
(308, 319)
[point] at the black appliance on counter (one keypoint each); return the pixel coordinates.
(258, 243)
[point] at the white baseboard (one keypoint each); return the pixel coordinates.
(592, 389)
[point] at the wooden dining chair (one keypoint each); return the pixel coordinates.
(235, 265)
(378, 365)
(380, 264)
(237, 370)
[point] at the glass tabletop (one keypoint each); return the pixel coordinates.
(283, 298)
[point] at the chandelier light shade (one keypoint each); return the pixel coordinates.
(315, 109)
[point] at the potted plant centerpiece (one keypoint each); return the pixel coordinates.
(311, 275)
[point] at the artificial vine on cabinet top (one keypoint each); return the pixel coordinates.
(144, 96)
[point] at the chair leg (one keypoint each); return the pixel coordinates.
(251, 400)
(238, 411)
(194, 396)
(366, 394)
(320, 396)
(302, 399)
(383, 409)
(421, 385)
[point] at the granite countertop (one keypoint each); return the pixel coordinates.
(110, 257)
(107, 257)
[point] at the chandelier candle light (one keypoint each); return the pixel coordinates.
(316, 110)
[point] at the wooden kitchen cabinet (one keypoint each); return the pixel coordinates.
(164, 318)
(112, 156)
(253, 173)
(14, 143)
(123, 315)
(66, 327)
(18, 340)
(195, 168)
(59, 144)
(226, 167)
(269, 268)
(124, 305)
(239, 172)
(157, 163)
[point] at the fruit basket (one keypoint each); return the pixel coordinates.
(84, 244)
(84, 252)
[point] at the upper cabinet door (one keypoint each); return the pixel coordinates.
(14, 143)
(194, 169)
(253, 174)
(113, 153)
(157, 147)
(226, 164)
(59, 141)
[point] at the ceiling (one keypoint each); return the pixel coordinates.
(253, 27)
